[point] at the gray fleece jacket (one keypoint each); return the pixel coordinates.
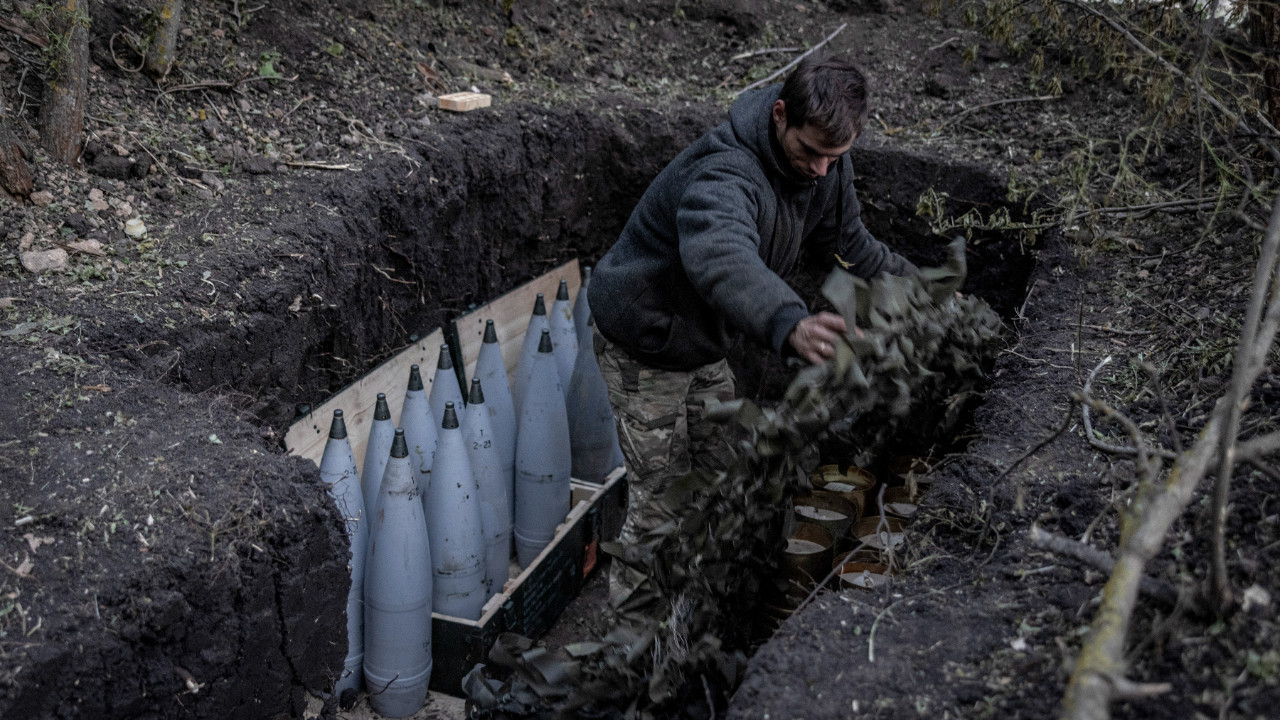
(704, 252)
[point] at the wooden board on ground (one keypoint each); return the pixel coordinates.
(307, 437)
(510, 315)
(465, 101)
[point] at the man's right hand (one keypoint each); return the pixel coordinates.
(814, 338)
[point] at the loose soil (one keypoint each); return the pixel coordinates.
(310, 211)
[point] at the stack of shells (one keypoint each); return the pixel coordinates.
(433, 513)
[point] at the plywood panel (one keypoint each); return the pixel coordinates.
(510, 314)
(307, 437)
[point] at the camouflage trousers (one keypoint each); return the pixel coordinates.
(664, 435)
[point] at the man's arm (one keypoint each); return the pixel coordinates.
(843, 234)
(720, 252)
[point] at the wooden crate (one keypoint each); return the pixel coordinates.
(533, 601)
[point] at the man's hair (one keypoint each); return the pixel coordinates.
(829, 93)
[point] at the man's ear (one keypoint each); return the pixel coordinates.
(780, 114)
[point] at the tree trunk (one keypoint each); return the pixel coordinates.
(15, 173)
(67, 90)
(164, 41)
(1264, 31)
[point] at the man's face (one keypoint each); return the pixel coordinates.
(806, 147)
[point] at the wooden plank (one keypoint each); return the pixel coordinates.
(307, 437)
(510, 314)
(465, 101)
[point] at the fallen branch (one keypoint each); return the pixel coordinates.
(1123, 689)
(1263, 468)
(793, 63)
(1257, 448)
(1089, 555)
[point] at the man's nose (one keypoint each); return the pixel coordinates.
(821, 166)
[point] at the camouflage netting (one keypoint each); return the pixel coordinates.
(920, 351)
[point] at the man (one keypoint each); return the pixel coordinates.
(702, 258)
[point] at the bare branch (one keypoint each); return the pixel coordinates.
(1089, 433)
(1258, 448)
(1247, 365)
(1093, 682)
(1045, 540)
(1178, 73)
(764, 51)
(1128, 690)
(791, 64)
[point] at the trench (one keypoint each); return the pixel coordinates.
(394, 256)
(485, 207)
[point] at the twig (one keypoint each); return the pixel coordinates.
(765, 51)
(145, 149)
(111, 44)
(1263, 468)
(871, 637)
(1045, 540)
(1022, 310)
(220, 84)
(384, 274)
(1148, 208)
(791, 64)
(299, 104)
(829, 576)
(944, 43)
(994, 103)
(1154, 375)
(711, 705)
(1066, 422)
(316, 165)
(1125, 689)
(1115, 331)
(1089, 433)
(21, 32)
